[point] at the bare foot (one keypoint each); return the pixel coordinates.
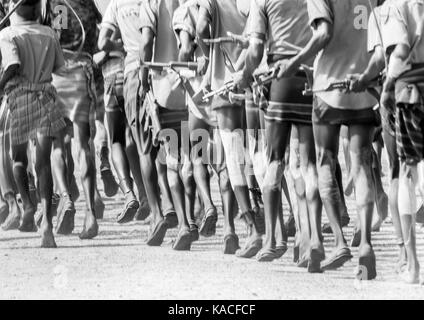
(110, 186)
(158, 232)
(144, 211)
(183, 241)
(91, 228)
(382, 206)
(402, 260)
(47, 237)
(12, 221)
(130, 209)
(337, 259)
(65, 219)
(28, 222)
(231, 243)
(252, 247)
(316, 256)
(208, 227)
(366, 269)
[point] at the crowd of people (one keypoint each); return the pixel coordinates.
(259, 92)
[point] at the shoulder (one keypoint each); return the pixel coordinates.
(7, 33)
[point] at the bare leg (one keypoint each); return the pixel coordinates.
(361, 137)
(88, 178)
(313, 200)
(408, 179)
(134, 162)
(381, 199)
(11, 213)
(278, 137)
(167, 202)
(43, 169)
(199, 137)
(229, 202)
(187, 177)
(66, 208)
(390, 142)
(117, 125)
(101, 145)
(230, 124)
(20, 164)
(327, 147)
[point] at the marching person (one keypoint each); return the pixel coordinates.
(159, 45)
(77, 97)
(31, 100)
(403, 89)
(341, 47)
(10, 213)
(184, 21)
(379, 35)
(274, 20)
(124, 17)
(216, 18)
(125, 160)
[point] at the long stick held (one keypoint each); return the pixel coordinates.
(12, 11)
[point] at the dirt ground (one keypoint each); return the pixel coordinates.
(118, 265)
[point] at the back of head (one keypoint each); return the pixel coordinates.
(29, 10)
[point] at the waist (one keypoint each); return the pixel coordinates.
(26, 85)
(274, 57)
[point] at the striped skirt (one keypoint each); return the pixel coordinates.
(33, 111)
(287, 103)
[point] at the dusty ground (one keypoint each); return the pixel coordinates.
(118, 265)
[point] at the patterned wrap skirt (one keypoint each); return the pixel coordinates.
(33, 110)
(409, 96)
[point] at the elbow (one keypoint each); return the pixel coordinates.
(202, 29)
(401, 52)
(256, 54)
(185, 53)
(147, 40)
(323, 39)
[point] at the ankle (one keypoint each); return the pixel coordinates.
(126, 186)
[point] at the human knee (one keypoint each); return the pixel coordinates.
(362, 162)
(187, 172)
(327, 183)
(235, 157)
(311, 181)
(172, 162)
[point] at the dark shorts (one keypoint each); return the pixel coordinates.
(287, 102)
(410, 132)
(326, 114)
